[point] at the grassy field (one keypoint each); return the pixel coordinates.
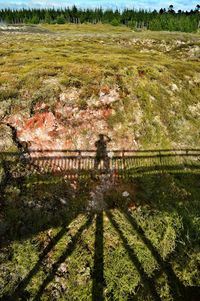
(156, 75)
(144, 246)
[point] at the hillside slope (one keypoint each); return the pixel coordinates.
(141, 88)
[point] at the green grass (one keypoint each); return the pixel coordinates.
(86, 28)
(149, 252)
(144, 66)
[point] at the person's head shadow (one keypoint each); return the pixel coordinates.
(102, 141)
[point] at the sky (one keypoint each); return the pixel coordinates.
(120, 4)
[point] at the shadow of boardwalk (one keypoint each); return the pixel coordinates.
(32, 203)
(177, 288)
(70, 248)
(98, 270)
(42, 202)
(148, 282)
(19, 291)
(124, 163)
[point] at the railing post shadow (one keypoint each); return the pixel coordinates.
(79, 162)
(160, 157)
(121, 163)
(98, 269)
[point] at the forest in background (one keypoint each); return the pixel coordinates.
(163, 19)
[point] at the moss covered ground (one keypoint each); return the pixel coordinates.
(143, 247)
(156, 74)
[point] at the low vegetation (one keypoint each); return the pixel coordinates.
(144, 245)
(155, 74)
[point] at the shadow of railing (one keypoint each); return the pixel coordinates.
(22, 171)
(31, 216)
(122, 163)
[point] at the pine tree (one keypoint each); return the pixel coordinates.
(47, 18)
(60, 20)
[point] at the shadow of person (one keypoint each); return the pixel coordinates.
(101, 152)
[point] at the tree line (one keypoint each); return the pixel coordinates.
(164, 19)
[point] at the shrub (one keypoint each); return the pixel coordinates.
(34, 20)
(61, 20)
(8, 93)
(115, 22)
(71, 82)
